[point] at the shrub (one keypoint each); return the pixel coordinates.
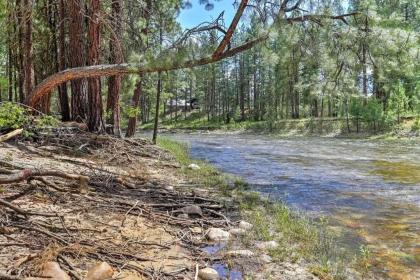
(12, 116)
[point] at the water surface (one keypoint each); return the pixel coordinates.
(370, 189)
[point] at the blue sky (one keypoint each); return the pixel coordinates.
(198, 14)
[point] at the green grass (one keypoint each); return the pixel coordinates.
(299, 236)
(304, 126)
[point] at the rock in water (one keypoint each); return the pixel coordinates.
(192, 210)
(268, 245)
(100, 271)
(53, 271)
(217, 234)
(194, 166)
(237, 231)
(245, 225)
(208, 274)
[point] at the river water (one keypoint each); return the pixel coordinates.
(369, 189)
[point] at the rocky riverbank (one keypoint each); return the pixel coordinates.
(76, 205)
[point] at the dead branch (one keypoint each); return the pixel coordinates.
(11, 134)
(29, 173)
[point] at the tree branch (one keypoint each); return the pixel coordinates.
(229, 33)
(29, 173)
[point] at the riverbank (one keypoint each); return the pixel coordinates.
(326, 127)
(73, 202)
(297, 246)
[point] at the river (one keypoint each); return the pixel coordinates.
(369, 189)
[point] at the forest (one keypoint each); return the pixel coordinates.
(348, 59)
(288, 140)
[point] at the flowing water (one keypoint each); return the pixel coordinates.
(370, 190)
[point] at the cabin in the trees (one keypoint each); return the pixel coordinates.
(173, 105)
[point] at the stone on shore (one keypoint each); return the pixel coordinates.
(53, 270)
(196, 230)
(183, 216)
(100, 271)
(194, 166)
(217, 234)
(240, 253)
(245, 225)
(237, 231)
(267, 245)
(208, 274)
(169, 188)
(265, 258)
(192, 210)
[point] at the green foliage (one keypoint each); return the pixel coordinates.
(47, 121)
(416, 125)
(372, 112)
(132, 112)
(398, 101)
(12, 116)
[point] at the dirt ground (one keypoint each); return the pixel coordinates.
(113, 200)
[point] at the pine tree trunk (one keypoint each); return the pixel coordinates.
(19, 57)
(61, 59)
(139, 99)
(156, 124)
(76, 57)
(132, 121)
(95, 121)
(28, 66)
(114, 82)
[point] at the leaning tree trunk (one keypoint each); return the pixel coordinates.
(78, 73)
(76, 56)
(95, 120)
(114, 82)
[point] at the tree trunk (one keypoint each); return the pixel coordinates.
(156, 124)
(76, 56)
(139, 99)
(78, 73)
(95, 121)
(132, 121)
(28, 66)
(116, 57)
(19, 57)
(62, 89)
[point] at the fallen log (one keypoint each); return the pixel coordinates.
(10, 135)
(30, 173)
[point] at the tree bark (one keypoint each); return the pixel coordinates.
(76, 56)
(132, 121)
(119, 69)
(28, 66)
(138, 97)
(19, 57)
(116, 57)
(62, 89)
(95, 120)
(156, 124)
